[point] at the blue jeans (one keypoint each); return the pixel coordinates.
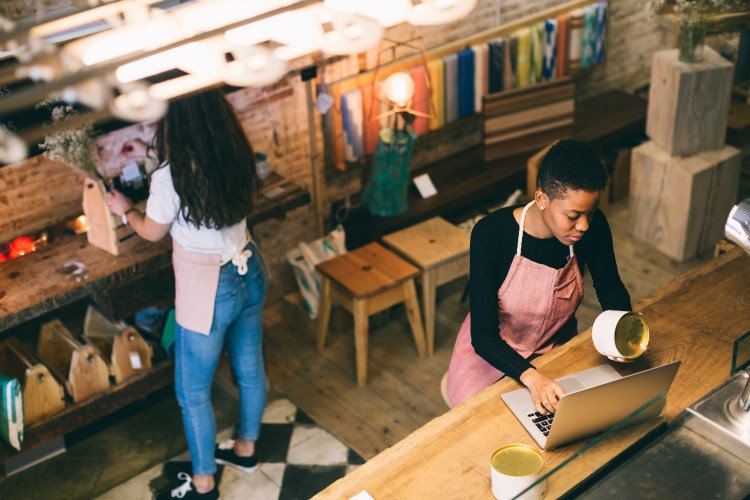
(237, 321)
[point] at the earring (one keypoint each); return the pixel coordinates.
(542, 207)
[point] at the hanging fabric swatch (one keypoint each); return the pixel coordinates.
(537, 52)
(550, 49)
(370, 112)
(436, 67)
(601, 32)
(386, 192)
(509, 74)
(481, 65)
(421, 99)
(589, 35)
(575, 40)
(336, 127)
(496, 65)
(451, 88)
(465, 83)
(562, 45)
(351, 120)
(523, 57)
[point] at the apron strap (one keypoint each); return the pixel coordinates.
(520, 230)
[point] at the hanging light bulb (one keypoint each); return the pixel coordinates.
(431, 12)
(136, 104)
(349, 34)
(399, 88)
(386, 12)
(254, 65)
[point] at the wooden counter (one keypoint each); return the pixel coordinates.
(695, 319)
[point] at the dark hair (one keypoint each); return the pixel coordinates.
(210, 158)
(570, 164)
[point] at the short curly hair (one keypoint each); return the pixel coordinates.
(570, 164)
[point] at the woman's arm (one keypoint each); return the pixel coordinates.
(143, 225)
(600, 255)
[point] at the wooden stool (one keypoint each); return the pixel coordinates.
(441, 251)
(366, 281)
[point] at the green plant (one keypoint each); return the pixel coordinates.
(74, 145)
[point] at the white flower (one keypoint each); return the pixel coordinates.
(76, 147)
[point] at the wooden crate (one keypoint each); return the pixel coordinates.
(106, 230)
(688, 103)
(120, 345)
(43, 395)
(680, 205)
(80, 366)
(523, 120)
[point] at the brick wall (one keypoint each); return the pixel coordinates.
(276, 118)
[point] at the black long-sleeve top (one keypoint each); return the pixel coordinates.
(493, 245)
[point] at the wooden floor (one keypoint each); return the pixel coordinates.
(403, 391)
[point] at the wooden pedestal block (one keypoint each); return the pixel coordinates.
(80, 365)
(106, 230)
(688, 104)
(42, 394)
(120, 344)
(680, 205)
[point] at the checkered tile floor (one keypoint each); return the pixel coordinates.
(297, 460)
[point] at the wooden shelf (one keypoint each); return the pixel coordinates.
(78, 415)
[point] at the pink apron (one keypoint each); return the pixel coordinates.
(535, 302)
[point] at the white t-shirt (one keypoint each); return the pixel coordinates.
(163, 206)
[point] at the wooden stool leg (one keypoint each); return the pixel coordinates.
(324, 312)
(415, 319)
(360, 340)
(428, 306)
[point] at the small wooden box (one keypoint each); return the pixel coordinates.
(680, 205)
(106, 230)
(80, 365)
(688, 104)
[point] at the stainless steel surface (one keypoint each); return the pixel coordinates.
(719, 418)
(679, 464)
(737, 227)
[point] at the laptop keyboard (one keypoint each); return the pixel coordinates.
(542, 422)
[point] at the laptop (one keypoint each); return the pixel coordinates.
(594, 400)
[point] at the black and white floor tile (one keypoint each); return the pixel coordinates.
(297, 460)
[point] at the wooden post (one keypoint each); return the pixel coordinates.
(314, 170)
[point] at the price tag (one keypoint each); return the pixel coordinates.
(425, 186)
(135, 361)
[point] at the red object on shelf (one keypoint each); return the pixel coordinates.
(21, 246)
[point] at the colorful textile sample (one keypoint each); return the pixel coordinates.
(386, 192)
(370, 112)
(537, 52)
(562, 45)
(451, 88)
(481, 65)
(496, 65)
(509, 73)
(436, 67)
(465, 83)
(352, 122)
(601, 32)
(550, 50)
(523, 57)
(589, 35)
(421, 99)
(575, 40)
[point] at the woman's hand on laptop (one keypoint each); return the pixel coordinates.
(545, 392)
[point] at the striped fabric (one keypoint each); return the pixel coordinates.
(562, 46)
(537, 52)
(601, 32)
(420, 101)
(465, 83)
(523, 57)
(370, 112)
(481, 65)
(575, 40)
(496, 65)
(550, 49)
(589, 35)
(509, 73)
(352, 122)
(451, 88)
(436, 67)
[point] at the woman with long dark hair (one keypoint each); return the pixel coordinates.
(200, 194)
